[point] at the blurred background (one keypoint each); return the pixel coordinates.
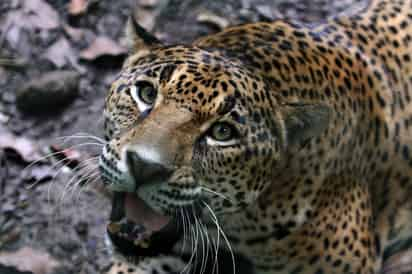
(57, 60)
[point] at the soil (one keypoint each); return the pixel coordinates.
(38, 208)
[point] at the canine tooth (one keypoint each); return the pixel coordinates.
(142, 243)
(113, 227)
(145, 243)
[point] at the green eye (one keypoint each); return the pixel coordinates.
(147, 93)
(222, 132)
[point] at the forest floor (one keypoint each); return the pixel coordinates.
(57, 60)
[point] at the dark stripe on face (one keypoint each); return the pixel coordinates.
(238, 118)
(166, 73)
(121, 87)
(227, 105)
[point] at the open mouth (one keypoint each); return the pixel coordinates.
(138, 231)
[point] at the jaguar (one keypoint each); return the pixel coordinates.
(271, 147)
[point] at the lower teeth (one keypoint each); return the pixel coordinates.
(130, 231)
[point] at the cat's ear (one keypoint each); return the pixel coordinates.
(304, 121)
(138, 38)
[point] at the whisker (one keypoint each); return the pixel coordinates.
(65, 162)
(81, 166)
(193, 248)
(84, 169)
(82, 183)
(73, 184)
(82, 136)
(184, 230)
(215, 220)
(52, 154)
(205, 232)
(216, 193)
(94, 178)
(204, 246)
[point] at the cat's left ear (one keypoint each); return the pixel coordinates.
(304, 121)
(138, 38)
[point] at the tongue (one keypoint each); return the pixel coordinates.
(138, 212)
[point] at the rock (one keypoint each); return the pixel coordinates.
(51, 92)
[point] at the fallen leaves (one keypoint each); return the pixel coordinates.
(213, 20)
(74, 33)
(77, 7)
(102, 46)
(268, 13)
(148, 3)
(22, 147)
(32, 16)
(39, 14)
(69, 157)
(28, 259)
(61, 54)
(148, 11)
(63, 51)
(9, 236)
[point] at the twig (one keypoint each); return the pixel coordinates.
(3, 171)
(12, 62)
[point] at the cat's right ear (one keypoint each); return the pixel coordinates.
(138, 38)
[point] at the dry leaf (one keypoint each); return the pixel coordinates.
(10, 236)
(75, 34)
(4, 118)
(26, 148)
(40, 14)
(61, 53)
(102, 46)
(148, 3)
(77, 7)
(28, 259)
(11, 270)
(149, 11)
(147, 18)
(68, 157)
(212, 19)
(34, 14)
(268, 13)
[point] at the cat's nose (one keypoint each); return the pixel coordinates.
(145, 171)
